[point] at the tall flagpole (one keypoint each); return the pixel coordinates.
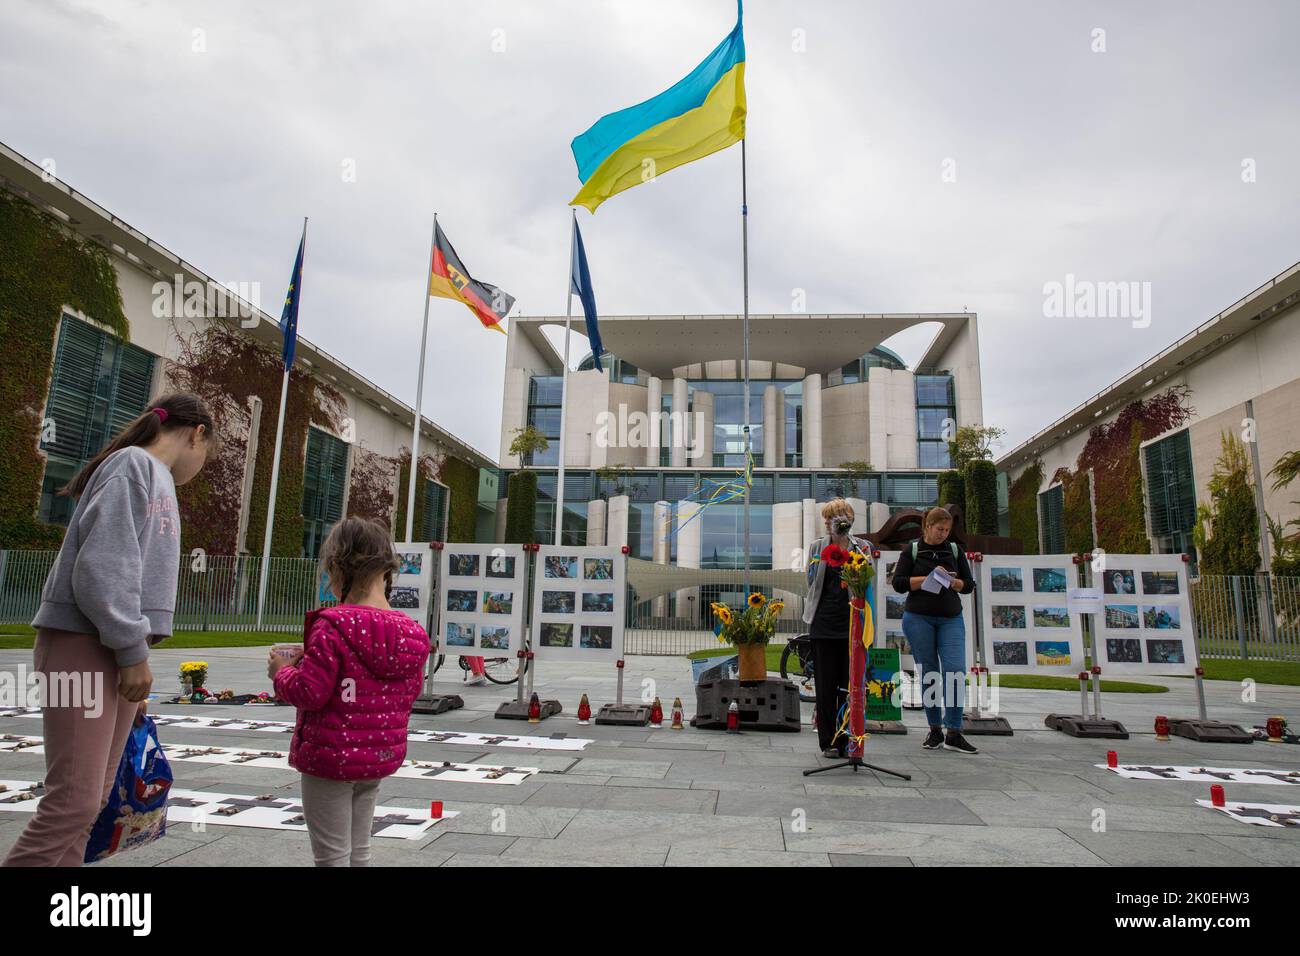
(744, 246)
(564, 384)
(275, 465)
(419, 394)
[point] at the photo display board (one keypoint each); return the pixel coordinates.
(1027, 622)
(887, 611)
(482, 590)
(579, 603)
(1146, 622)
(413, 592)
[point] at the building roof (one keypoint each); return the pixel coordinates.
(819, 343)
(93, 222)
(1272, 298)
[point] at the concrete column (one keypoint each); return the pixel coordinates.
(654, 398)
(617, 512)
(681, 423)
(771, 437)
(787, 548)
(704, 418)
(812, 422)
(501, 520)
(859, 507)
(660, 550)
(813, 528)
(690, 540)
(780, 428)
(879, 515)
(596, 522)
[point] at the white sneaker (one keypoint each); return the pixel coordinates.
(475, 680)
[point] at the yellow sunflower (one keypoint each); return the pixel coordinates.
(776, 607)
(756, 600)
(723, 612)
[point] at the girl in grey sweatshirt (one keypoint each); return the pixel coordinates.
(109, 596)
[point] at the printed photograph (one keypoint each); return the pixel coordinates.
(1123, 650)
(599, 602)
(411, 562)
(895, 604)
(1159, 582)
(498, 602)
(405, 599)
(465, 601)
(1008, 615)
(597, 636)
(1051, 617)
(501, 566)
(558, 602)
(1165, 652)
(557, 635)
(1118, 582)
(898, 640)
(1121, 616)
(1160, 617)
(1052, 653)
(494, 638)
(1007, 579)
(1011, 653)
(460, 635)
(1050, 580)
(598, 569)
(561, 566)
(462, 565)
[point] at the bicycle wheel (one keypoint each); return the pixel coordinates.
(803, 677)
(438, 662)
(503, 670)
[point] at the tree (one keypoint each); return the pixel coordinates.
(1230, 524)
(974, 443)
(527, 442)
(981, 480)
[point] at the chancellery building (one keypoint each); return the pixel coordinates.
(667, 413)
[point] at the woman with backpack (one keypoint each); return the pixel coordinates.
(932, 621)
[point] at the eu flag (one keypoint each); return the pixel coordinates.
(580, 285)
(289, 315)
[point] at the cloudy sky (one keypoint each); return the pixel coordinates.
(903, 156)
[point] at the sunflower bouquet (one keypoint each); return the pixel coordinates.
(755, 624)
(856, 574)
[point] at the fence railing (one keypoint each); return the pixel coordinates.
(668, 607)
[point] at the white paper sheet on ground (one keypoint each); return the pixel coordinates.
(443, 770)
(463, 738)
(1205, 774)
(1260, 814)
(266, 812)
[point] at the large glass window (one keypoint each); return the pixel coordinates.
(323, 482)
(1171, 492)
(544, 393)
(935, 405)
(1051, 509)
(99, 385)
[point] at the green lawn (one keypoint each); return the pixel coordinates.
(1261, 672)
(18, 636)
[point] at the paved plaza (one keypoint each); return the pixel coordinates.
(636, 796)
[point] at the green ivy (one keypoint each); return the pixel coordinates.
(403, 482)
(462, 479)
(521, 508)
(952, 488)
(1076, 500)
(43, 267)
(1022, 504)
(981, 481)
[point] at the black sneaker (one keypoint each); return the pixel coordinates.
(935, 740)
(955, 741)
(833, 753)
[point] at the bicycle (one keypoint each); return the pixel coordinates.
(499, 670)
(800, 649)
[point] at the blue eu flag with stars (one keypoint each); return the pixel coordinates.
(289, 315)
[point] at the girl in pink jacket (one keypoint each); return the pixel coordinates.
(360, 672)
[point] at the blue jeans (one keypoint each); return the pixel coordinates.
(939, 646)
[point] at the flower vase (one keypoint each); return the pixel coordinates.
(752, 659)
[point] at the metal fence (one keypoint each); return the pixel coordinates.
(668, 606)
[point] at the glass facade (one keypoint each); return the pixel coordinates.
(935, 405)
(544, 393)
(323, 482)
(99, 385)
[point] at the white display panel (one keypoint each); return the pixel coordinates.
(1027, 624)
(1146, 623)
(481, 593)
(579, 603)
(887, 611)
(412, 592)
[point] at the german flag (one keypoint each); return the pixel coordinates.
(449, 279)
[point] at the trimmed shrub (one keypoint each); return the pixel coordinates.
(981, 480)
(521, 508)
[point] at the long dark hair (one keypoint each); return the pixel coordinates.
(183, 410)
(355, 551)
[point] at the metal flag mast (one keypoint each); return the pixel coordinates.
(744, 256)
(564, 384)
(275, 467)
(419, 394)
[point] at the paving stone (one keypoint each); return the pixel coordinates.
(848, 807)
(867, 859)
(705, 856)
(489, 844)
(641, 828)
(1273, 847)
(939, 844)
(1129, 848)
(626, 798)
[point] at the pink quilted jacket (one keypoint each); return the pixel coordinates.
(359, 675)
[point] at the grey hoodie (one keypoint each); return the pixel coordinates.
(116, 573)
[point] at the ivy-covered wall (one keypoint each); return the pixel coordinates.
(1022, 507)
(371, 493)
(43, 267)
(428, 470)
(462, 479)
(1076, 500)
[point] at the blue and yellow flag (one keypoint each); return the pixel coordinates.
(701, 114)
(289, 314)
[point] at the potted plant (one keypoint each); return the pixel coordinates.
(748, 631)
(197, 672)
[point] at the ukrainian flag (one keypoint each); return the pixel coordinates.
(701, 114)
